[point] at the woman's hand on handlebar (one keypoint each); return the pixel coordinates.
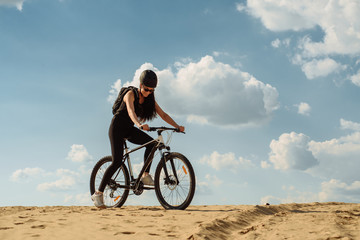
(145, 127)
(181, 128)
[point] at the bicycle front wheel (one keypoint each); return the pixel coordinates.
(176, 191)
(116, 191)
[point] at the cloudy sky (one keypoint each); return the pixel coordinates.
(268, 91)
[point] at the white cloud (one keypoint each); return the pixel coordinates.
(13, 3)
(355, 79)
(340, 146)
(68, 198)
(207, 11)
(338, 157)
(225, 161)
(286, 42)
(304, 108)
(241, 7)
(333, 190)
(197, 119)
(60, 180)
(66, 172)
(64, 183)
(26, 174)
(288, 188)
(294, 196)
(278, 43)
(224, 95)
(217, 54)
(321, 68)
(291, 195)
(82, 199)
(337, 19)
(270, 199)
(281, 15)
(336, 190)
(213, 180)
(67, 180)
(344, 124)
(203, 187)
(114, 91)
(16, 3)
(291, 151)
(78, 153)
(265, 164)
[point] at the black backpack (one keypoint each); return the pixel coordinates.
(120, 98)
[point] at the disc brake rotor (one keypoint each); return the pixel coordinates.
(172, 185)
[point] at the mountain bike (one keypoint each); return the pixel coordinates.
(174, 180)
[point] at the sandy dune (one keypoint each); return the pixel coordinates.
(285, 221)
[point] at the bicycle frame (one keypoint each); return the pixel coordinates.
(160, 145)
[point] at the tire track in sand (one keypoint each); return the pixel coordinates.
(286, 221)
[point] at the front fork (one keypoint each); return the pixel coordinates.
(167, 178)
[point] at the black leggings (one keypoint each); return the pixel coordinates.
(119, 130)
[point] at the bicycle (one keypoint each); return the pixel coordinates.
(174, 176)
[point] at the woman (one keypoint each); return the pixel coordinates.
(138, 105)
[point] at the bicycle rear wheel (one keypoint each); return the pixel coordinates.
(114, 195)
(178, 191)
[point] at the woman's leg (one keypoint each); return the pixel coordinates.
(117, 151)
(140, 137)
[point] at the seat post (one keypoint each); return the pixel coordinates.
(128, 160)
(125, 145)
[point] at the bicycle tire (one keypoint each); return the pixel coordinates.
(113, 196)
(175, 195)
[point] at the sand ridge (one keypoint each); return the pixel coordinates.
(285, 221)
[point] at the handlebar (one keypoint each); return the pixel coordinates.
(153, 129)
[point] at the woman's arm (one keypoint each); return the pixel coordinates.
(167, 118)
(129, 100)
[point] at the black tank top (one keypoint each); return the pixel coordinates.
(123, 113)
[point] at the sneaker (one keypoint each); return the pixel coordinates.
(98, 200)
(148, 180)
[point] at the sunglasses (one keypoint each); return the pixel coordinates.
(148, 90)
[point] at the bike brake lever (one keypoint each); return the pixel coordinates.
(178, 130)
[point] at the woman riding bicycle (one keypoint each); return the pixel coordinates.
(138, 106)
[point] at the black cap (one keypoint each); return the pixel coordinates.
(148, 78)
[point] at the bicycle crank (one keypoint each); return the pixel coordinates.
(140, 189)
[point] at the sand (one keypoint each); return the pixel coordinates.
(285, 221)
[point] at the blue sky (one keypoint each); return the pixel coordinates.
(268, 91)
